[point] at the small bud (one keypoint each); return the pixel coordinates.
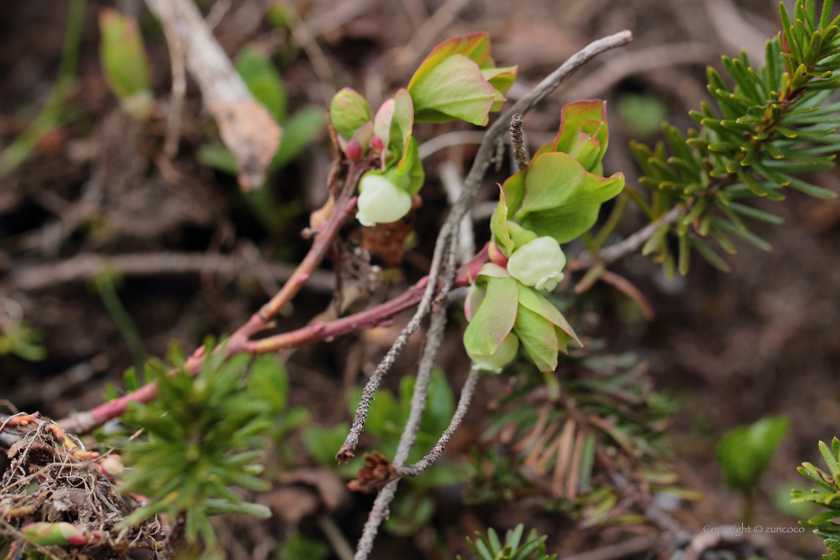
(53, 534)
(503, 355)
(348, 111)
(496, 255)
(353, 151)
(381, 201)
(376, 144)
(538, 263)
(111, 465)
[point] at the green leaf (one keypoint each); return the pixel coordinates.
(453, 89)
(322, 443)
(537, 335)
(385, 415)
(263, 80)
(299, 547)
(498, 225)
(494, 318)
(561, 198)
(642, 113)
(218, 156)
(582, 123)
(501, 79)
(218, 507)
(747, 236)
(745, 452)
(830, 459)
(440, 406)
(708, 254)
(408, 174)
(514, 191)
(534, 301)
(401, 123)
(475, 46)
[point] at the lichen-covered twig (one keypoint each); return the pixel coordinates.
(519, 150)
(463, 405)
(379, 512)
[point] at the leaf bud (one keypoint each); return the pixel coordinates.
(348, 111)
(381, 201)
(538, 263)
(353, 151)
(53, 534)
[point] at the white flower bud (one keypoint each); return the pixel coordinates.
(503, 355)
(381, 201)
(538, 263)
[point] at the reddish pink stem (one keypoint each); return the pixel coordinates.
(372, 317)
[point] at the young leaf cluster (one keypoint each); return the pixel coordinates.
(554, 200)
(826, 494)
(489, 547)
(767, 127)
(457, 81)
(199, 438)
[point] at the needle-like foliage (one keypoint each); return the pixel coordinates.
(199, 438)
(767, 126)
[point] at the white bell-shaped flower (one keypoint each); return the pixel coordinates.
(538, 263)
(380, 201)
(503, 355)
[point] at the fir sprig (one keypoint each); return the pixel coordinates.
(825, 524)
(769, 126)
(491, 548)
(200, 437)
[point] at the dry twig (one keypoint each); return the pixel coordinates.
(246, 127)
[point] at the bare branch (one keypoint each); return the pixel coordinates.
(179, 80)
(86, 266)
(629, 245)
(639, 62)
(453, 183)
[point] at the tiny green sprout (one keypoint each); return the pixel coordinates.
(124, 63)
(744, 455)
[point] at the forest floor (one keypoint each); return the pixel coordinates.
(728, 348)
